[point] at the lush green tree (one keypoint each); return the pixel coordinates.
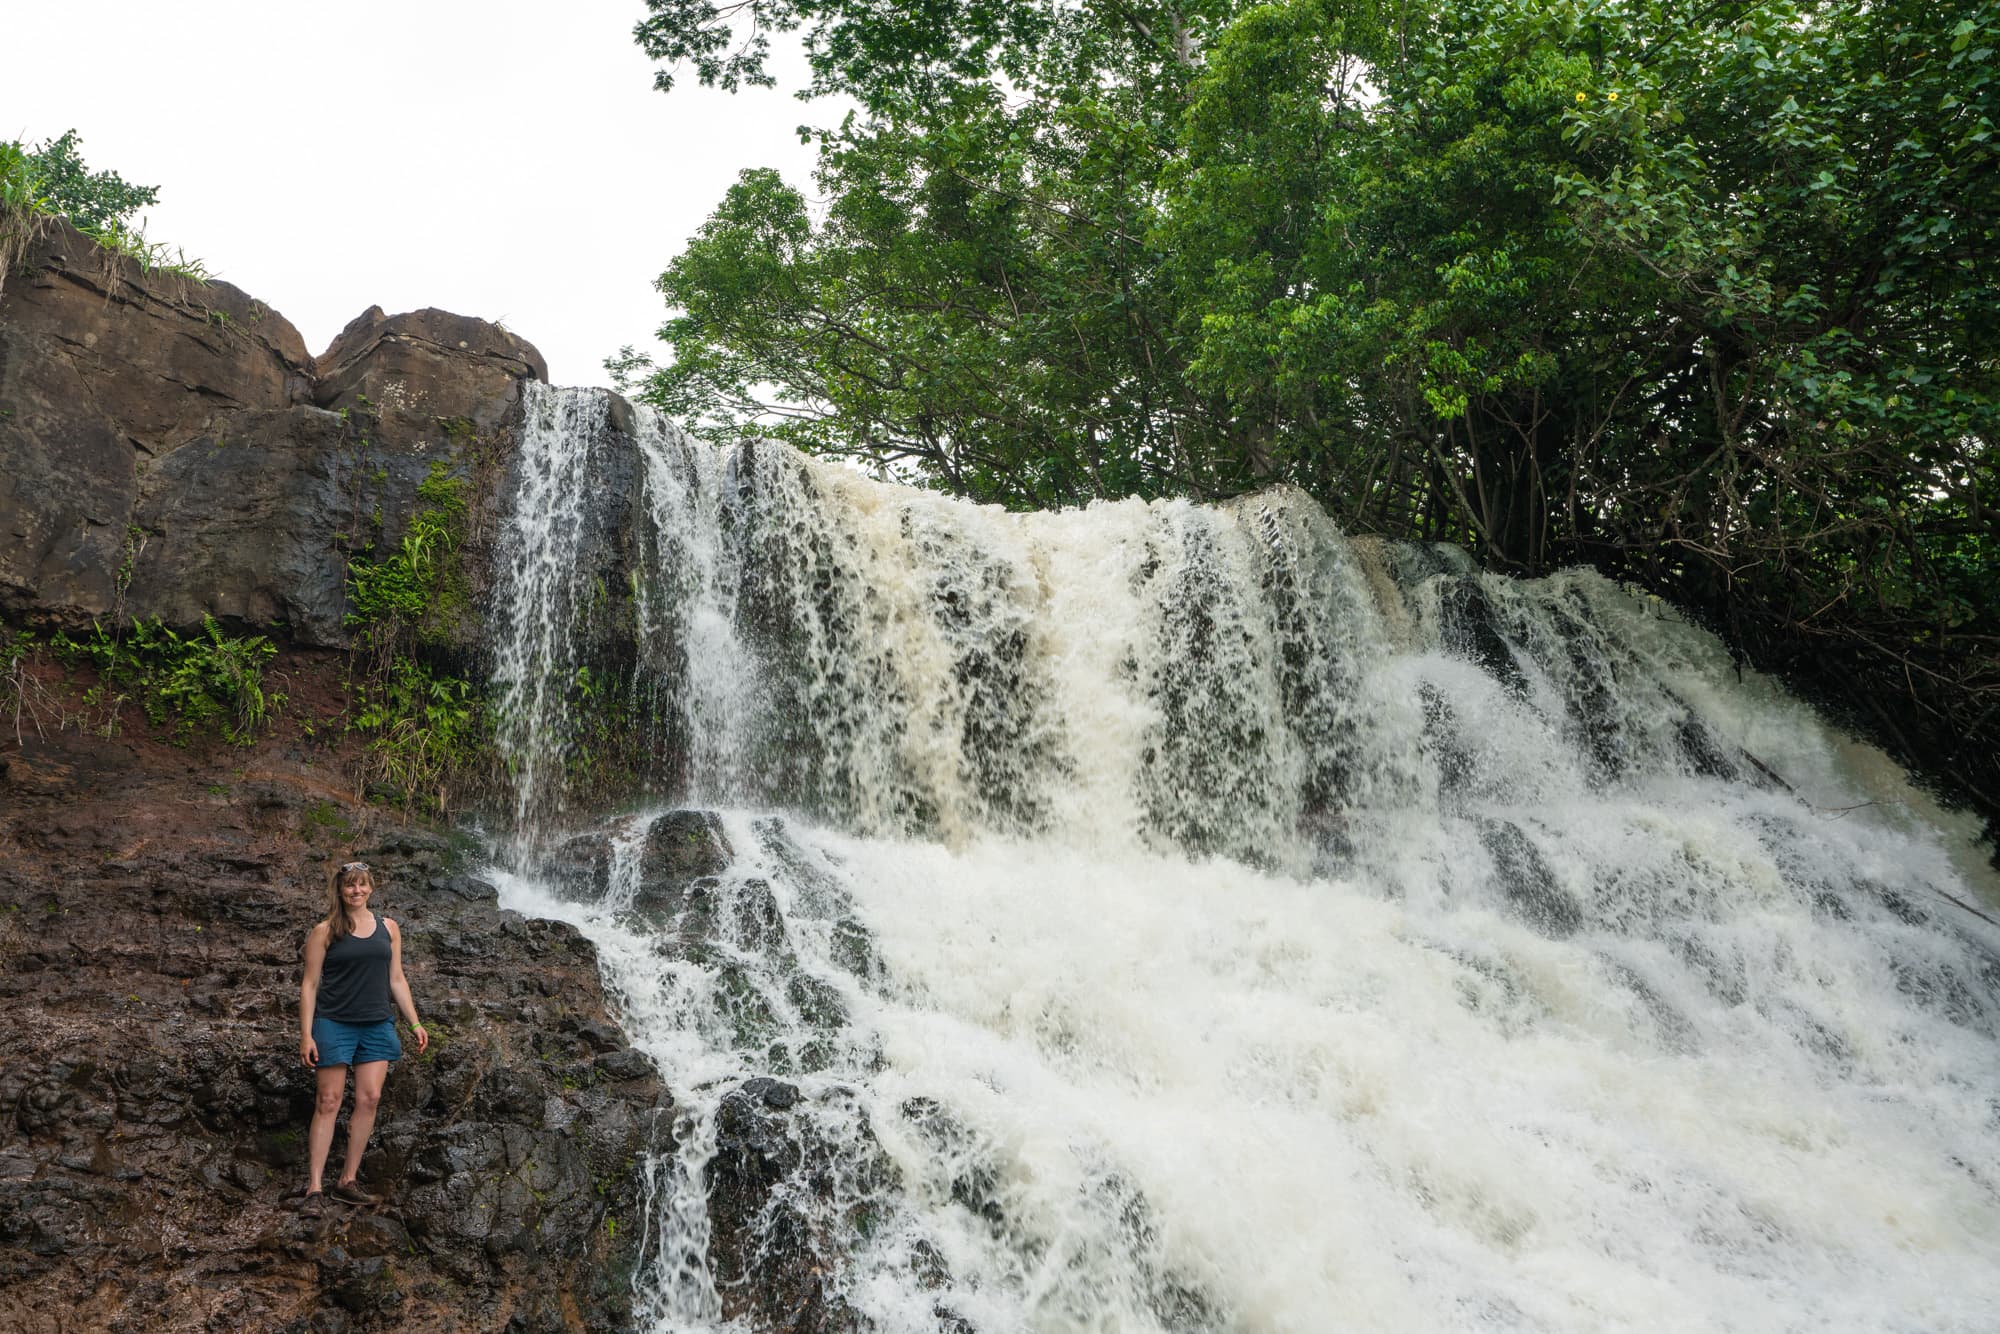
(1812, 192)
(89, 199)
(50, 180)
(991, 210)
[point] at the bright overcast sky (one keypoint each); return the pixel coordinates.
(498, 159)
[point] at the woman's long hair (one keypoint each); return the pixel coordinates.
(337, 924)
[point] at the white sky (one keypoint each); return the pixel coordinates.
(500, 159)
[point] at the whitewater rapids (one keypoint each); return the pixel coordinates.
(1265, 931)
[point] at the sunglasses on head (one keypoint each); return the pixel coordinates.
(353, 866)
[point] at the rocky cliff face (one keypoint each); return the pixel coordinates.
(169, 448)
(153, 1110)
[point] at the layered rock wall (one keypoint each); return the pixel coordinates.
(169, 449)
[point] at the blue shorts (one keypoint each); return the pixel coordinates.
(356, 1044)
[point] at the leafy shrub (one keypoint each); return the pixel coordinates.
(23, 206)
(192, 682)
(50, 180)
(91, 200)
(424, 726)
(422, 575)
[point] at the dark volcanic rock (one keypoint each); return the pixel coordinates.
(581, 866)
(414, 369)
(1470, 628)
(783, 1209)
(104, 375)
(1527, 883)
(1445, 743)
(169, 449)
(681, 848)
(153, 1111)
(679, 858)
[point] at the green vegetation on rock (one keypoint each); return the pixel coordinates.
(89, 199)
(427, 726)
(422, 580)
(188, 683)
(50, 181)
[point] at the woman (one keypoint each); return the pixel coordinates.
(354, 970)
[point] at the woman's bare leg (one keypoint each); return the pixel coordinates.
(368, 1079)
(332, 1083)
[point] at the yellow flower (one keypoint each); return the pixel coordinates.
(1613, 97)
(1579, 97)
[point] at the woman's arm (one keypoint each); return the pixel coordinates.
(309, 995)
(399, 986)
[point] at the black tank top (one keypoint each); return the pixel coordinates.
(354, 980)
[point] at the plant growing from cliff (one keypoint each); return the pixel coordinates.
(422, 579)
(89, 199)
(23, 206)
(597, 757)
(189, 682)
(154, 257)
(325, 815)
(23, 697)
(51, 181)
(426, 726)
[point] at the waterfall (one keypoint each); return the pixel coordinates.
(1161, 917)
(546, 580)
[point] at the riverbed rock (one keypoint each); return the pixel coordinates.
(681, 847)
(783, 1208)
(580, 866)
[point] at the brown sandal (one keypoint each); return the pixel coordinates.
(350, 1192)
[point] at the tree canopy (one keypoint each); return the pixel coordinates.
(49, 181)
(1700, 291)
(65, 187)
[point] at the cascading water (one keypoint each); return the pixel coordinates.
(1159, 917)
(564, 438)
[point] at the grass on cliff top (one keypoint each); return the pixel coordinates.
(50, 181)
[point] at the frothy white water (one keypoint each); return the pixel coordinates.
(1207, 923)
(1192, 1095)
(1333, 1103)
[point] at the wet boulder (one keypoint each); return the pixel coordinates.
(787, 1203)
(681, 848)
(1526, 882)
(1445, 745)
(1469, 628)
(580, 867)
(468, 887)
